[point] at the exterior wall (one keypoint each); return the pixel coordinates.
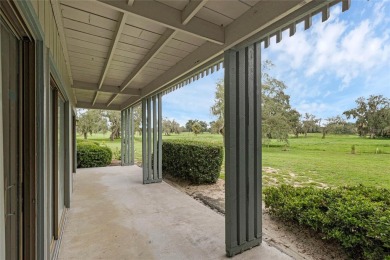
(44, 12)
(50, 62)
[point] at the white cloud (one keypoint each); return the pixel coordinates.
(329, 66)
(345, 49)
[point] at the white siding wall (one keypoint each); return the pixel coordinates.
(54, 64)
(45, 12)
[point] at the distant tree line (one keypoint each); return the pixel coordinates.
(101, 121)
(279, 119)
(372, 116)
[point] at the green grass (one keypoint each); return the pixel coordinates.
(310, 161)
(329, 161)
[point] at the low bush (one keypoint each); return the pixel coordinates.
(198, 162)
(357, 217)
(90, 154)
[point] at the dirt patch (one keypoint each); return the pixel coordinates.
(115, 163)
(298, 242)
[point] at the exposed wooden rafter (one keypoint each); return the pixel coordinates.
(162, 41)
(88, 105)
(171, 18)
(118, 32)
(257, 24)
(105, 88)
(112, 99)
(191, 9)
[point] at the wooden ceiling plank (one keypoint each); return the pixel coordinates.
(121, 24)
(60, 26)
(170, 17)
(256, 22)
(105, 88)
(112, 99)
(88, 105)
(168, 34)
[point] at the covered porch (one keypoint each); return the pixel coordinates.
(114, 216)
(114, 55)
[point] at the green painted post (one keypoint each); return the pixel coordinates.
(155, 168)
(122, 138)
(243, 149)
(132, 136)
(144, 140)
(160, 136)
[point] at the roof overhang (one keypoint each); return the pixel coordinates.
(121, 51)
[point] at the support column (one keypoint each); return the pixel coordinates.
(127, 137)
(243, 149)
(122, 137)
(152, 139)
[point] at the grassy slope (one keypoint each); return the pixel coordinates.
(309, 161)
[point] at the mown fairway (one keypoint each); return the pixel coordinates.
(308, 161)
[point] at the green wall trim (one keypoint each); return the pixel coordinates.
(59, 80)
(28, 12)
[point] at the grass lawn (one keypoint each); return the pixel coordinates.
(307, 161)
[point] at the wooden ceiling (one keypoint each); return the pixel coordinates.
(120, 51)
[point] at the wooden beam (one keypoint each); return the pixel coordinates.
(118, 32)
(112, 100)
(130, 2)
(130, 101)
(105, 88)
(95, 98)
(169, 17)
(191, 9)
(88, 105)
(162, 41)
(265, 18)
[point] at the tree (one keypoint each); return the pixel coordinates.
(309, 123)
(295, 122)
(196, 128)
(334, 125)
(115, 123)
(189, 125)
(218, 109)
(166, 125)
(170, 126)
(137, 119)
(191, 122)
(204, 125)
(89, 121)
(216, 127)
(278, 118)
(372, 115)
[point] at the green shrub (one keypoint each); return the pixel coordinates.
(79, 141)
(90, 154)
(116, 154)
(357, 217)
(198, 162)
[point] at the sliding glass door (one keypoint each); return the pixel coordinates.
(10, 113)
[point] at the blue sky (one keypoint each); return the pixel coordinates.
(326, 68)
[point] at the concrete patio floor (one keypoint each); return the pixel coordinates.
(114, 216)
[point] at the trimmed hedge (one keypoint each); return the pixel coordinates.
(198, 162)
(357, 217)
(91, 154)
